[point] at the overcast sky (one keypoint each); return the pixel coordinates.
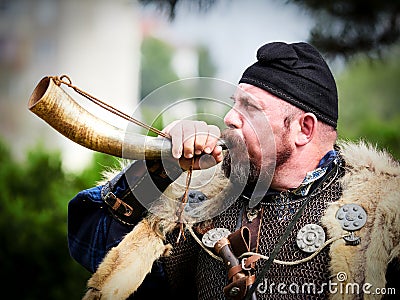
(234, 30)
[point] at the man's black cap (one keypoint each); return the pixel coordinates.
(298, 74)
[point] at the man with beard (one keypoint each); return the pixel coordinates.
(293, 188)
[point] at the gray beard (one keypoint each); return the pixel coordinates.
(237, 165)
(241, 168)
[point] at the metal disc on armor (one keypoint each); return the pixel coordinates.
(310, 238)
(351, 217)
(194, 201)
(211, 237)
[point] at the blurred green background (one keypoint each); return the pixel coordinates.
(35, 190)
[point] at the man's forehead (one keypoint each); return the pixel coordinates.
(251, 92)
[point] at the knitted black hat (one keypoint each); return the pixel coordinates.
(298, 74)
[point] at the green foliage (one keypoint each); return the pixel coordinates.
(156, 69)
(368, 102)
(34, 195)
(206, 66)
(349, 27)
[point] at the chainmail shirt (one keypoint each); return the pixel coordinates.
(194, 274)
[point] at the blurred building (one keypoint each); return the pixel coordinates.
(95, 42)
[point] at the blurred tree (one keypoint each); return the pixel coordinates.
(206, 66)
(33, 221)
(347, 27)
(170, 5)
(343, 27)
(156, 68)
(369, 101)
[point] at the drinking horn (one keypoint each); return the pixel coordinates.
(57, 108)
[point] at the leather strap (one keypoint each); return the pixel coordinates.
(247, 264)
(246, 238)
(236, 290)
(240, 241)
(234, 271)
(117, 204)
(254, 225)
(125, 208)
(240, 273)
(147, 179)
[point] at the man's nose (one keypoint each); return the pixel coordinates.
(233, 119)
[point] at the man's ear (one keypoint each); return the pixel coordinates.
(308, 125)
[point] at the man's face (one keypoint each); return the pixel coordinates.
(258, 118)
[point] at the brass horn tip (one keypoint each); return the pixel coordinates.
(39, 91)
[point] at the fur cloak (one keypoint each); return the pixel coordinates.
(372, 180)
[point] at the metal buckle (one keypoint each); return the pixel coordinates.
(243, 262)
(110, 195)
(118, 202)
(128, 209)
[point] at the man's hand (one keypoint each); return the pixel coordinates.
(195, 141)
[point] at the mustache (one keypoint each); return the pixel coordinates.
(238, 165)
(231, 138)
(234, 164)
